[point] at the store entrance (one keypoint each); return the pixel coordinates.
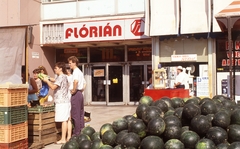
(139, 77)
(107, 84)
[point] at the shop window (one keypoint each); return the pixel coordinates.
(107, 54)
(62, 55)
(140, 53)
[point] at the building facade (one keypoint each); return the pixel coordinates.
(120, 42)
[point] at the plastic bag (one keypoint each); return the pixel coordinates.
(44, 90)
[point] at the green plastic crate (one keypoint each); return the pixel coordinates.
(13, 115)
(41, 109)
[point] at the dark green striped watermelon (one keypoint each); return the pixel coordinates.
(174, 144)
(205, 144)
(152, 142)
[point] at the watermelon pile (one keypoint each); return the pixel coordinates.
(192, 123)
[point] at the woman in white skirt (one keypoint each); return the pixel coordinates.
(62, 101)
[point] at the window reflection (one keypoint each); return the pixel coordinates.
(140, 53)
(63, 54)
(107, 54)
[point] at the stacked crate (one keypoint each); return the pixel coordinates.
(41, 125)
(13, 116)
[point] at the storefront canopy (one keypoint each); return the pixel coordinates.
(231, 12)
(228, 20)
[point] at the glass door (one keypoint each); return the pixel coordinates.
(139, 76)
(116, 84)
(107, 84)
(98, 83)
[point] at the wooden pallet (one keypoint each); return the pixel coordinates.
(42, 128)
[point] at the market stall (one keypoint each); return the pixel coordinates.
(161, 87)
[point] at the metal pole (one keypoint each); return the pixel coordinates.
(230, 55)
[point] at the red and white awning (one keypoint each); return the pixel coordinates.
(232, 9)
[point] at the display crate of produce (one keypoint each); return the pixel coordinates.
(11, 133)
(13, 95)
(42, 127)
(13, 115)
(41, 109)
(22, 144)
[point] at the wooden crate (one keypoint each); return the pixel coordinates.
(22, 144)
(38, 145)
(13, 95)
(11, 133)
(42, 128)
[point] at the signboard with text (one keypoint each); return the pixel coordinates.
(186, 57)
(223, 55)
(104, 30)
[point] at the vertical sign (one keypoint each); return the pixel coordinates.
(202, 87)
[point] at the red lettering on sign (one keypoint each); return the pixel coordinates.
(94, 31)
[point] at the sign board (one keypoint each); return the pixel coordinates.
(202, 87)
(181, 58)
(98, 72)
(104, 30)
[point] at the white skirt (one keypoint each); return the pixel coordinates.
(62, 112)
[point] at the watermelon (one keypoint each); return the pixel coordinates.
(129, 118)
(189, 139)
(184, 128)
(88, 131)
(150, 113)
(152, 142)
(172, 120)
(174, 144)
(177, 102)
(200, 124)
(105, 127)
(109, 137)
(221, 119)
(235, 117)
(106, 147)
(131, 140)
(85, 144)
(172, 132)
(71, 144)
(118, 147)
(208, 107)
(161, 104)
(223, 145)
(156, 126)
(178, 112)
(146, 100)
(138, 126)
(233, 133)
(95, 136)
(192, 100)
(140, 109)
(82, 137)
(190, 110)
(204, 100)
(120, 136)
(119, 125)
(168, 101)
(217, 135)
(96, 144)
(234, 145)
(169, 112)
(205, 144)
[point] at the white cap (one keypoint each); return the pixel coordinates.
(180, 67)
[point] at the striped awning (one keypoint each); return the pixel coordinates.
(231, 10)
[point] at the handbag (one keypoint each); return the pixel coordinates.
(44, 90)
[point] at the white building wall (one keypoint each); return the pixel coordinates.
(94, 8)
